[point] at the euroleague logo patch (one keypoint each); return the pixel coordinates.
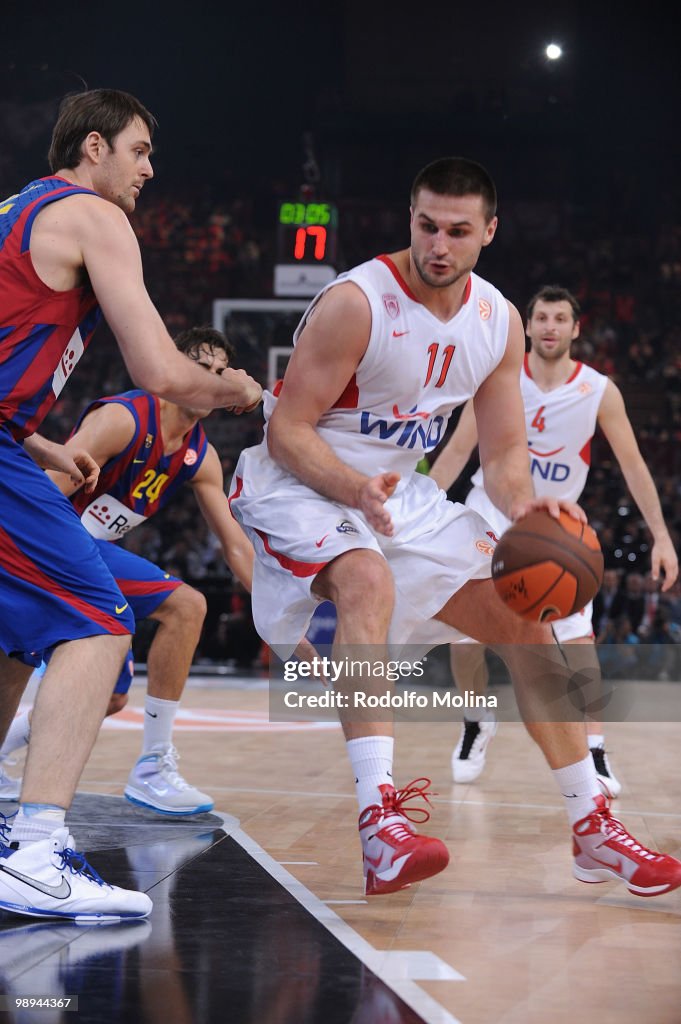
(190, 457)
(484, 309)
(345, 526)
(484, 547)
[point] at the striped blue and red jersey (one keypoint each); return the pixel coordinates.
(141, 480)
(43, 332)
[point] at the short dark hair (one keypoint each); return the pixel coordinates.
(107, 111)
(457, 176)
(193, 337)
(554, 293)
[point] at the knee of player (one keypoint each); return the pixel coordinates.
(363, 582)
(187, 605)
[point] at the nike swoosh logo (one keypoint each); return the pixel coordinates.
(136, 461)
(616, 866)
(119, 611)
(60, 892)
(393, 871)
(158, 790)
(375, 861)
(399, 334)
(318, 543)
(152, 715)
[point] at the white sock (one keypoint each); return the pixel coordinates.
(479, 715)
(34, 822)
(597, 740)
(17, 734)
(579, 786)
(371, 758)
(159, 718)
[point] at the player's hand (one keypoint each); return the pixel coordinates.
(250, 395)
(87, 470)
(663, 558)
(554, 506)
(77, 464)
(372, 498)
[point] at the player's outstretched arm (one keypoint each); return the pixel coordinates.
(208, 486)
(324, 361)
(110, 253)
(615, 424)
(451, 461)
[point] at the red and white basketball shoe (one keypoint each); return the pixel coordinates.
(395, 855)
(604, 850)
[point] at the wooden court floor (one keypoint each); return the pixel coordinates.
(504, 934)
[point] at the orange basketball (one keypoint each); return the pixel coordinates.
(545, 568)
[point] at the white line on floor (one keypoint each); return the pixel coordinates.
(396, 972)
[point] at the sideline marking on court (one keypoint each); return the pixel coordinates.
(395, 968)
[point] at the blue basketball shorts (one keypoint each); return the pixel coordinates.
(54, 584)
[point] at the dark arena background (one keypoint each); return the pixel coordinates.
(287, 143)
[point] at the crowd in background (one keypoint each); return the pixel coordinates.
(629, 287)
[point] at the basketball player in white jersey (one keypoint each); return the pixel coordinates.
(565, 401)
(336, 511)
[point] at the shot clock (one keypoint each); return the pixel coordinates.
(306, 247)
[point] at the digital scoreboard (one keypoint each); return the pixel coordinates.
(306, 247)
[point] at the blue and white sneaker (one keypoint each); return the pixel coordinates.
(49, 878)
(155, 782)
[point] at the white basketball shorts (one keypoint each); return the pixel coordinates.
(436, 548)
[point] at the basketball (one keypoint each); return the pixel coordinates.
(545, 568)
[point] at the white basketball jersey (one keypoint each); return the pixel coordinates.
(415, 371)
(560, 425)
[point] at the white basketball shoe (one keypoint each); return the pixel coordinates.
(50, 879)
(155, 782)
(469, 755)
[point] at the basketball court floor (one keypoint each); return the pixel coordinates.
(259, 914)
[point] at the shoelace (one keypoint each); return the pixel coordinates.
(614, 829)
(77, 865)
(5, 827)
(398, 830)
(396, 803)
(169, 768)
